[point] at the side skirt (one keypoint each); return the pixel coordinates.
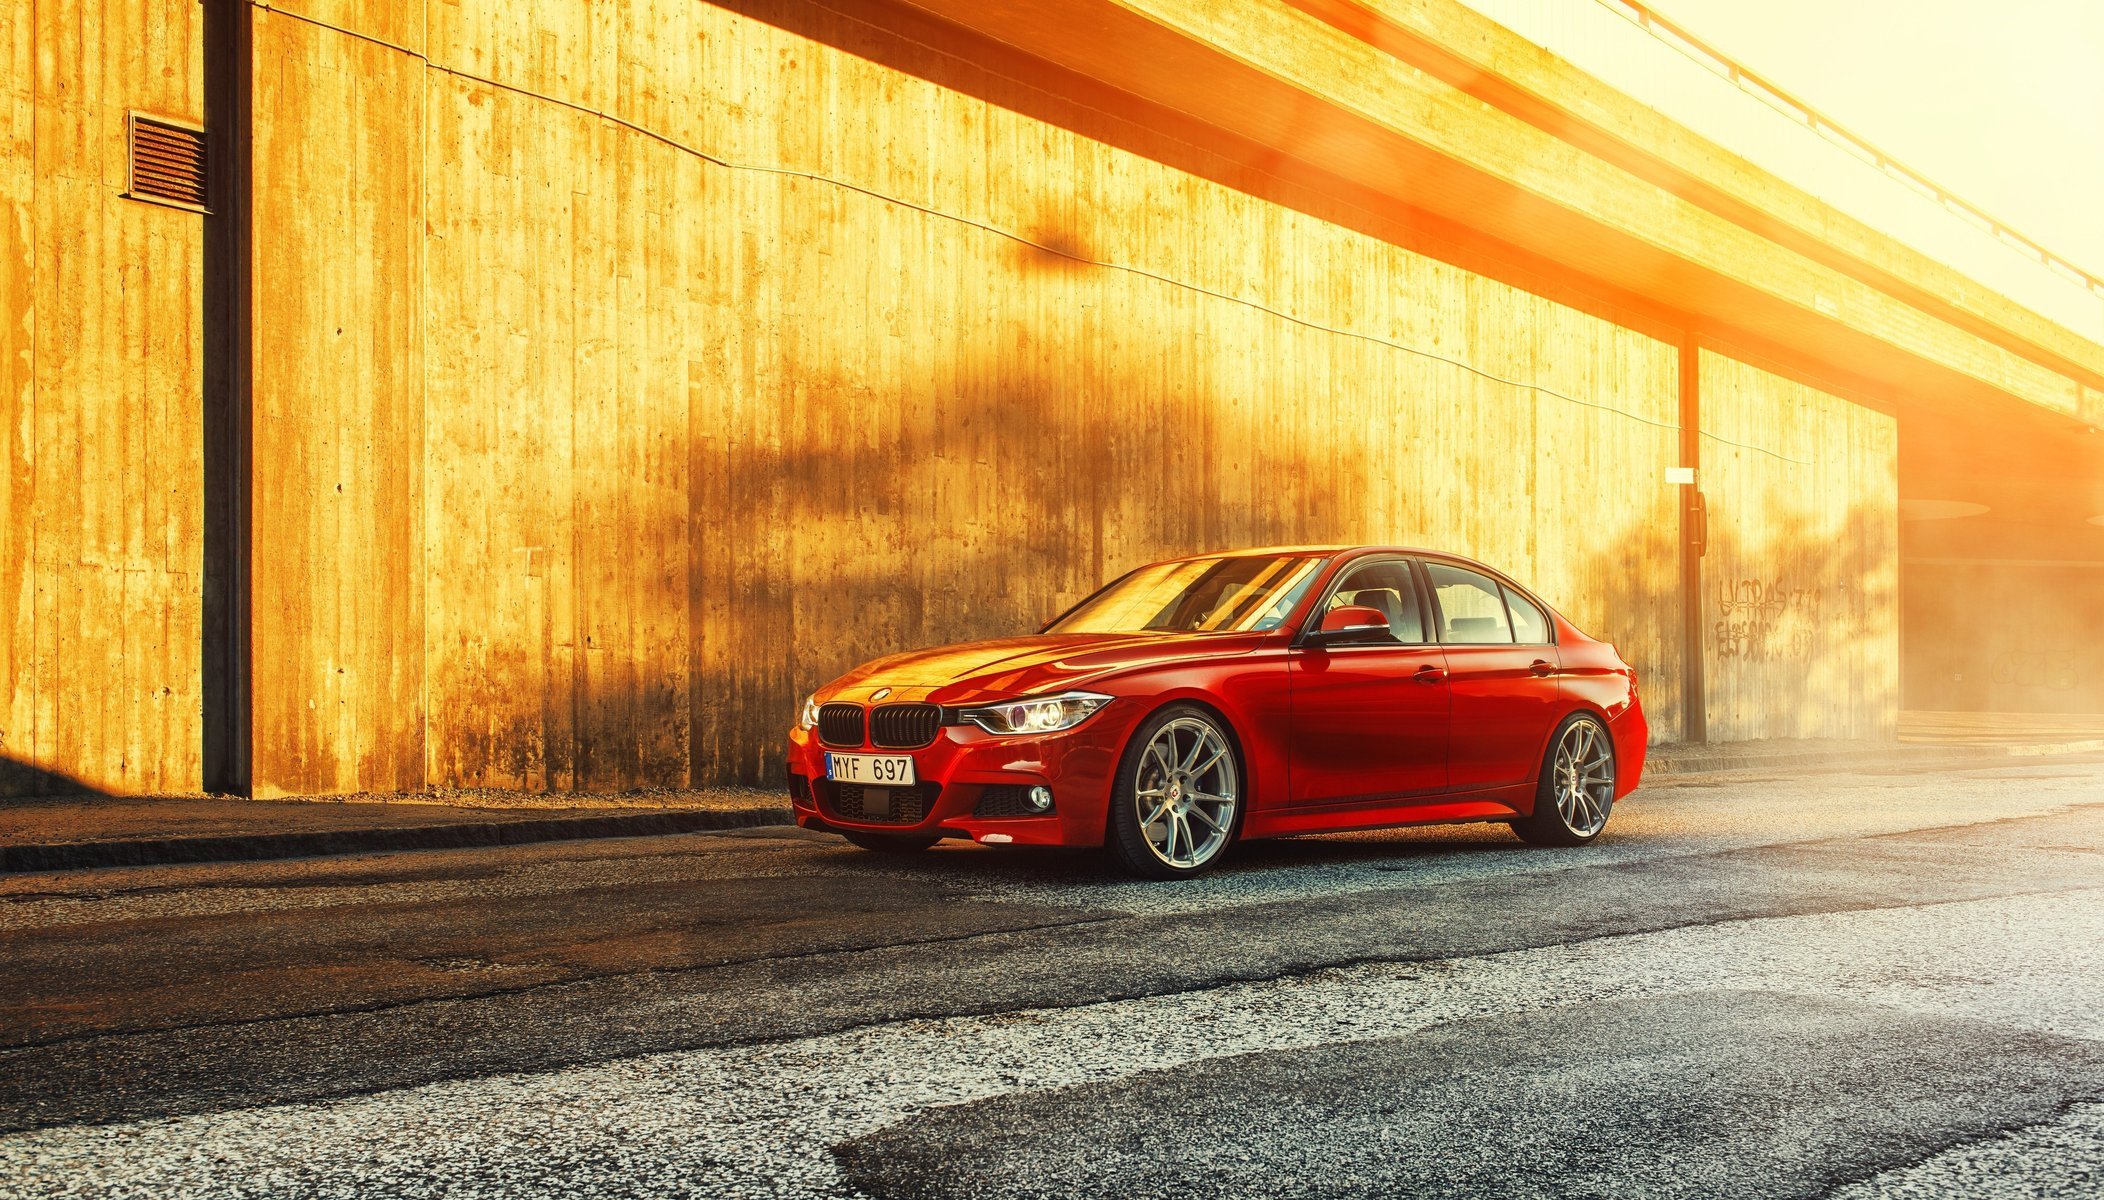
(1495, 805)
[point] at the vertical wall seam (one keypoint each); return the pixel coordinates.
(227, 717)
(36, 523)
(425, 773)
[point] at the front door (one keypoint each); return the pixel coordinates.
(1370, 721)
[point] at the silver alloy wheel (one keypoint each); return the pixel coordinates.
(1184, 792)
(1584, 778)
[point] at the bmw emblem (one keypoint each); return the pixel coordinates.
(880, 693)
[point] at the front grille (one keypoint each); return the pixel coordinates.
(840, 724)
(908, 804)
(1006, 800)
(904, 726)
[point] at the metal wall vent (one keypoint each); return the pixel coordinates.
(167, 161)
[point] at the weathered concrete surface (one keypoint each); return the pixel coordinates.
(715, 1014)
(1701, 1094)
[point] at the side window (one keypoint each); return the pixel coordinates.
(1529, 624)
(1386, 586)
(1471, 605)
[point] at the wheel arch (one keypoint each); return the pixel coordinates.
(1210, 705)
(1578, 706)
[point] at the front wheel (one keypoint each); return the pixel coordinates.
(1577, 788)
(1177, 795)
(890, 843)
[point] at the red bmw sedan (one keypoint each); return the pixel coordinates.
(1202, 701)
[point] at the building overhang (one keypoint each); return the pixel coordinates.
(1437, 110)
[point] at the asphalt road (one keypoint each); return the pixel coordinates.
(1873, 985)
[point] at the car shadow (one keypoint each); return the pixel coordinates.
(968, 864)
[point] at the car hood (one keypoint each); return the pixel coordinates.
(1002, 668)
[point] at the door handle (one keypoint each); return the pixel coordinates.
(1429, 675)
(1542, 667)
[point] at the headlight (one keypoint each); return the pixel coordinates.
(1036, 714)
(809, 717)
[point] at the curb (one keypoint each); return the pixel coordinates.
(1956, 755)
(2047, 749)
(75, 856)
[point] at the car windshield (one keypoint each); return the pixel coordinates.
(1245, 592)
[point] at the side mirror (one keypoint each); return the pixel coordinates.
(1350, 625)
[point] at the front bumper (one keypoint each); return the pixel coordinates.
(955, 771)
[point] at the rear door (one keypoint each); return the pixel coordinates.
(1370, 722)
(1501, 672)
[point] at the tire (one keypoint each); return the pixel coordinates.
(891, 843)
(1176, 801)
(1575, 794)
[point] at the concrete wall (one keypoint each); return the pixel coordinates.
(620, 373)
(1801, 579)
(101, 378)
(337, 380)
(688, 438)
(2004, 637)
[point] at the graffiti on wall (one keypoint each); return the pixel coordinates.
(2036, 669)
(1754, 620)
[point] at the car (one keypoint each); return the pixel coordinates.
(1194, 703)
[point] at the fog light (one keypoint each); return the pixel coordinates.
(1041, 798)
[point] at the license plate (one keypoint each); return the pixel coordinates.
(884, 770)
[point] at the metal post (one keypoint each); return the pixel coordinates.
(1694, 536)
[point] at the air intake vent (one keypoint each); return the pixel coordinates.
(167, 161)
(873, 805)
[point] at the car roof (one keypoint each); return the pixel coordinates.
(1324, 550)
(1332, 551)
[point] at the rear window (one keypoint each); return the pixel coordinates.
(1471, 606)
(1529, 623)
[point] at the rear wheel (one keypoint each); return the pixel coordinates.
(1177, 795)
(1577, 788)
(891, 843)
